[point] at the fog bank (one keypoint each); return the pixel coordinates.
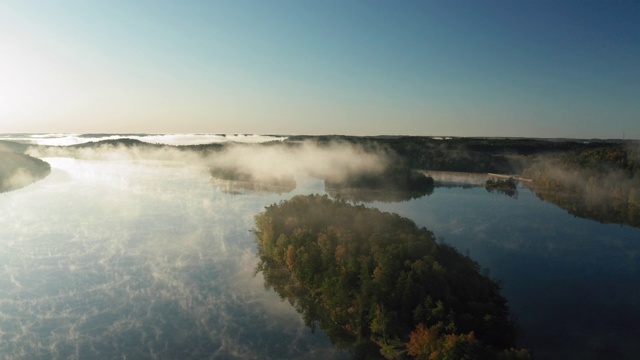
(267, 163)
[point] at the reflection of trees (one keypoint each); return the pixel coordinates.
(507, 187)
(367, 195)
(605, 210)
(235, 181)
(512, 193)
(396, 183)
(241, 187)
(362, 274)
(451, 185)
(600, 184)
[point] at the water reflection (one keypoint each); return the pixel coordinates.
(147, 259)
(143, 260)
(397, 183)
(237, 187)
(571, 282)
(512, 193)
(369, 195)
(595, 206)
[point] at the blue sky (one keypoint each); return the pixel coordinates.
(462, 68)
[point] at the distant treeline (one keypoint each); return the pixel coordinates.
(468, 154)
(363, 274)
(482, 155)
(595, 179)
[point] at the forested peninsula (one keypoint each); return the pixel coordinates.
(366, 276)
(19, 170)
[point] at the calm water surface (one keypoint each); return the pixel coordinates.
(138, 260)
(573, 284)
(148, 259)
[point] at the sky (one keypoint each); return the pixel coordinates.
(436, 68)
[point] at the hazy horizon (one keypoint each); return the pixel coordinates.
(184, 138)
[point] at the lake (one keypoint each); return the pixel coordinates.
(154, 259)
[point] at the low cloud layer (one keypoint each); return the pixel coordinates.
(335, 161)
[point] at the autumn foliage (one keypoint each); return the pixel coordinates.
(372, 275)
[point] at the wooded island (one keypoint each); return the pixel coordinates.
(368, 276)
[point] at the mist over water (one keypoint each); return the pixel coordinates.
(141, 253)
(333, 161)
(147, 259)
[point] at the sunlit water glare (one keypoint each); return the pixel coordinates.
(138, 260)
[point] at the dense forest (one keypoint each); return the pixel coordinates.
(364, 275)
(396, 183)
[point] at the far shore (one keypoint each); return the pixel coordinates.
(467, 178)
